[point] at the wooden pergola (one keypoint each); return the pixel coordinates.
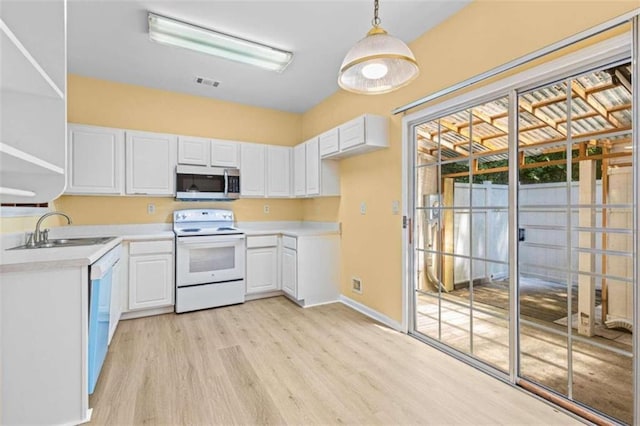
(596, 114)
(587, 118)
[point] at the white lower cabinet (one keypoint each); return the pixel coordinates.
(151, 274)
(310, 268)
(305, 268)
(262, 264)
(289, 272)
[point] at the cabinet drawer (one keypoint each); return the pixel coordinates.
(289, 242)
(262, 241)
(149, 247)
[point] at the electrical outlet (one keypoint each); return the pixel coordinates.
(151, 208)
(266, 209)
(356, 285)
(363, 208)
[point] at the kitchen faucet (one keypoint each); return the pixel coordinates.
(43, 236)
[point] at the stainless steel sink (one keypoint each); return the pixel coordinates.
(66, 242)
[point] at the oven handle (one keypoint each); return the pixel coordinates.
(203, 240)
(226, 182)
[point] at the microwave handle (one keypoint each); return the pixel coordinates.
(226, 182)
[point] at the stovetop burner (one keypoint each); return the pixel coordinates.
(196, 222)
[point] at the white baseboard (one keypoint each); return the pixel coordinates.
(146, 312)
(328, 302)
(371, 313)
(255, 296)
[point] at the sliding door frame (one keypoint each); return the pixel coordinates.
(615, 49)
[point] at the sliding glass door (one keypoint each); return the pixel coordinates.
(575, 254)
(461, 245)
(525, 223)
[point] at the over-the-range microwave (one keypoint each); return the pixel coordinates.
(198, 183)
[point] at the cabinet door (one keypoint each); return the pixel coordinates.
(194, 151)
(312, 165)
(95, 160)
(252, 170)
(150, 281)
(352, 133)
(224, 153)
(262, 269)
(290, 272)
(329, 142)
(116, 308)
(299, 170)
(151, 163)
(278, 171)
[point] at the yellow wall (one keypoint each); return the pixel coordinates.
(481, 36)
(89, 210)
(110, 104)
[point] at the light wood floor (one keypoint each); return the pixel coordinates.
(271, 362)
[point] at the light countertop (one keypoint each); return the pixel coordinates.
(294, 229)
(51, 258)
(64, 257)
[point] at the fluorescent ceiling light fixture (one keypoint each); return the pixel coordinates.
(177, 33)
(379, 63)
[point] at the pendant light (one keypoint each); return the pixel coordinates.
(379, 63)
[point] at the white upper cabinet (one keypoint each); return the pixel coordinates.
(208, 152)
(252, 170)
(225, 153)
(278, 171)
(96, 160)
(329, 142)
(299, 170)
(265, 170)
(150, 163)
(313, 176)
(312, 167)
(32, 100)
(360, 135)
(194, 151)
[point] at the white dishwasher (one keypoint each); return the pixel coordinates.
(100, 280)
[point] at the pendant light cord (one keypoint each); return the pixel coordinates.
(375, 21)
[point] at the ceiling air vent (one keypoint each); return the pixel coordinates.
(207, 81)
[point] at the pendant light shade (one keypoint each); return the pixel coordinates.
(379, 63)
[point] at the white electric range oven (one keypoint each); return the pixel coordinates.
(210, 259)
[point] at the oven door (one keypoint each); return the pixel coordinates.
(209, 259)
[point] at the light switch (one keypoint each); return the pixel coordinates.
(395, 207)
(363, 208)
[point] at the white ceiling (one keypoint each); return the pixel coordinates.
(108, 40)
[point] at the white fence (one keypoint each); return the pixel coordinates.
(481, 230)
